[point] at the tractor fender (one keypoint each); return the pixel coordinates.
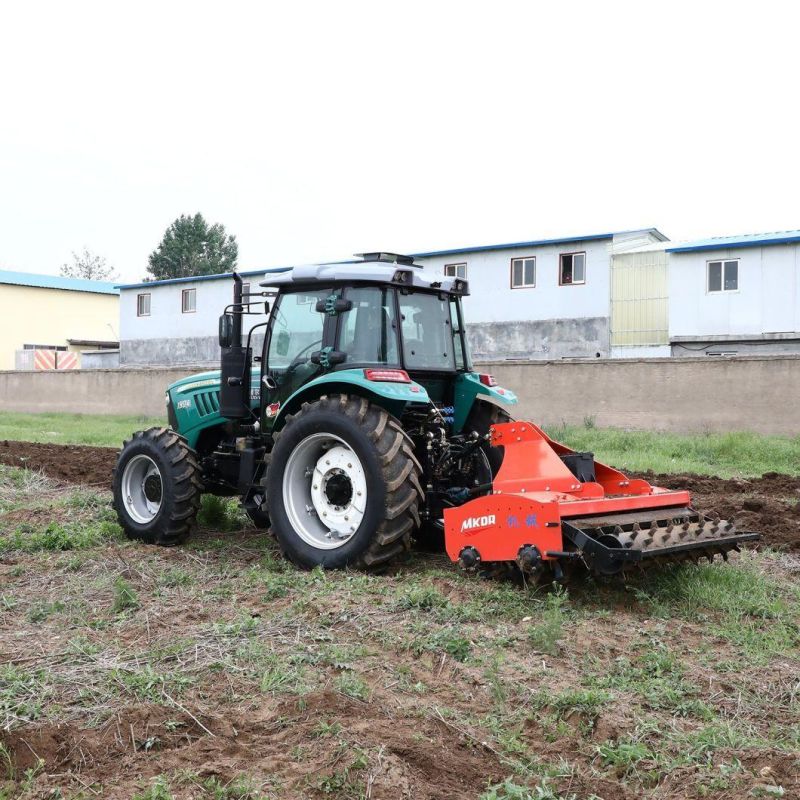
(468, 388)
(391, 396)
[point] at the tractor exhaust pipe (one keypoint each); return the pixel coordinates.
(234, 389)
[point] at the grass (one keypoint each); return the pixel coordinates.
(726, 455)
(734, 454)
(98, 430)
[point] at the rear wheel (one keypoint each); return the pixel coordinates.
(156, 485)
(343, 485)
(481, 418)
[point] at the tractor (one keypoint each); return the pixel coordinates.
(364, 426)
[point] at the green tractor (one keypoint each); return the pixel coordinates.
(364, 423)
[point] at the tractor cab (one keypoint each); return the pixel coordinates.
(381, 320)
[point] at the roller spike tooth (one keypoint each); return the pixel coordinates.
(647, 542)
(715, 517)
(636, 527)
(669, 527)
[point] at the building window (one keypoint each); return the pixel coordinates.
(723, 276)
(572, 269)
(456, 270)
(189, 301)
(143, 305)
(245, 292)
(523, 272)
(59, 347)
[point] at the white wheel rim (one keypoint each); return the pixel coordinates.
(324, 491)
(142, 489)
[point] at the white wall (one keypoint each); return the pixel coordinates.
(166, 321)
(767, 300)
(493, 300)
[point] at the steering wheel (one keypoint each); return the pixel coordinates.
(298, 359)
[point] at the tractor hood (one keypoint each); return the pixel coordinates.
(193, 403)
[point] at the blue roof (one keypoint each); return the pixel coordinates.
(189, 279)
(745, 240)
(56, 282)
(590, 237)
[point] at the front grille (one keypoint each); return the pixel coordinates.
(207, 403)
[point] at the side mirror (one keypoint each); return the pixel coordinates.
(226, 330)
(333, 305)
(266, 307)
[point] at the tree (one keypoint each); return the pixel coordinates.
(89, 266)
(193, 247)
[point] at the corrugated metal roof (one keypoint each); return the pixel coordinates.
(56, 282)
(536, 243)
(745, 240)
(190, 279)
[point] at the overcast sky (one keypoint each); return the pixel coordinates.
(316, 130)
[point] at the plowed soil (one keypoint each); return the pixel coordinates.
(71, 463)
(769, 505)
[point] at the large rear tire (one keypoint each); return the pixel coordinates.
(157, 487)
(343, 485)
(481, 418)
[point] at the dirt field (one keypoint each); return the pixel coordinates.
(214, 670)
(768, 505)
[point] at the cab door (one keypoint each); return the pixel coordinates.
(297, 330)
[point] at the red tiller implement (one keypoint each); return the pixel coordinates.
(550, 506)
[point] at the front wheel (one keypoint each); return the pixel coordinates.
(343, 485)
(157, 487)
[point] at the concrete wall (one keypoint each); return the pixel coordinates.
(700, 394)
(99, 359)
(540, 339)
(767, 300)
(32, 315)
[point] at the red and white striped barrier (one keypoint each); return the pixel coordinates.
(44, 359)
(55, 359)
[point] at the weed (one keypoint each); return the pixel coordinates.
(325, 729)
(147, 684)
(58, 537)
(422, 598)
(125, 597)
(159, 789)
(508, 790)
(352, 686)
(41, 610)
(624, 755)
(545, 635)
(21, 694)
(220, 514)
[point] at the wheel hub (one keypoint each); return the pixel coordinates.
(325, 491)
(338, 488)
(142, 489)
(152, 488)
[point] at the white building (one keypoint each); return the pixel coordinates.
(735, 295)
(547, 299)
(175, 321)
(628, 294)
